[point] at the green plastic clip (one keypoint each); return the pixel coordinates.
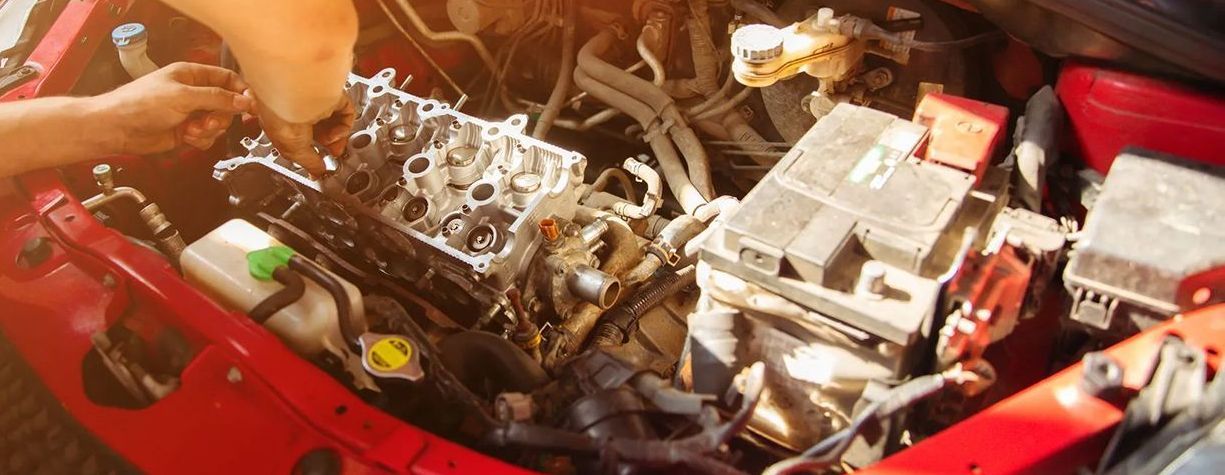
(263, 262)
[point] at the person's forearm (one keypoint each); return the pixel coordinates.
(51, 132)
(295, 54)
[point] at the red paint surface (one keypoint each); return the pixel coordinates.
(1052, 427)
(1109, 110)
(284, 406)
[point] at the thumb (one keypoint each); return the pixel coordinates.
(307, 157)
(215, 99)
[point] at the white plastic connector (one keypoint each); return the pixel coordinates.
(651, 201)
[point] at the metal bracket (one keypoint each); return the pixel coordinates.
(16, 78)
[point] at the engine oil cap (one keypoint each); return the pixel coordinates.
(391, 356)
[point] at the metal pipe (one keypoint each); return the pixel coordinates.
(420, 49)
(657, 68)
(725, 106)
(164, 233)
(593, 285)
(443, 36)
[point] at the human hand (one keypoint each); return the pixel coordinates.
(296, 142)
(183, 103)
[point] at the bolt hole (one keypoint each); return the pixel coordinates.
(419, 164)
(70, 218)
(494, 131)
(362, 141)
(341, 409)
(482, 192)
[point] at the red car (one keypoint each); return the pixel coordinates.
(914, 236)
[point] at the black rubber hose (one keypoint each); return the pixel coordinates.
(349, 330)
(565, 75)
(475, 356)
(619, 324)
(294, 289)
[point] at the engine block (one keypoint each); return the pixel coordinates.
(456, 194)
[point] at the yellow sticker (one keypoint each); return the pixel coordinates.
(389, 354)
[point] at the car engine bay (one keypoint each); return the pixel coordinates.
(699, 236)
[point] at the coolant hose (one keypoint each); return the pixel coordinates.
(294, 289)
(349, 330)
(674, 171)
(475, 356)
(661, 104)
(693, 451)
(565, 74)
(671, 239)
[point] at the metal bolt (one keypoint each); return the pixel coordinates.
(109, 281)
(104, 176)
(1101, 374)
(233, 375)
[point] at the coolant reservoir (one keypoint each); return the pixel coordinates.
(217, 265)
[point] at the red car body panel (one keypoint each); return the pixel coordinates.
(248, 404)
(1109, 110)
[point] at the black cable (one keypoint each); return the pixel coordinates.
(294, 289)
(348, 328)
(829, 450)
(620, 323)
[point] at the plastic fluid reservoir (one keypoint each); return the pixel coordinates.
(132, 41)
(217, 265)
